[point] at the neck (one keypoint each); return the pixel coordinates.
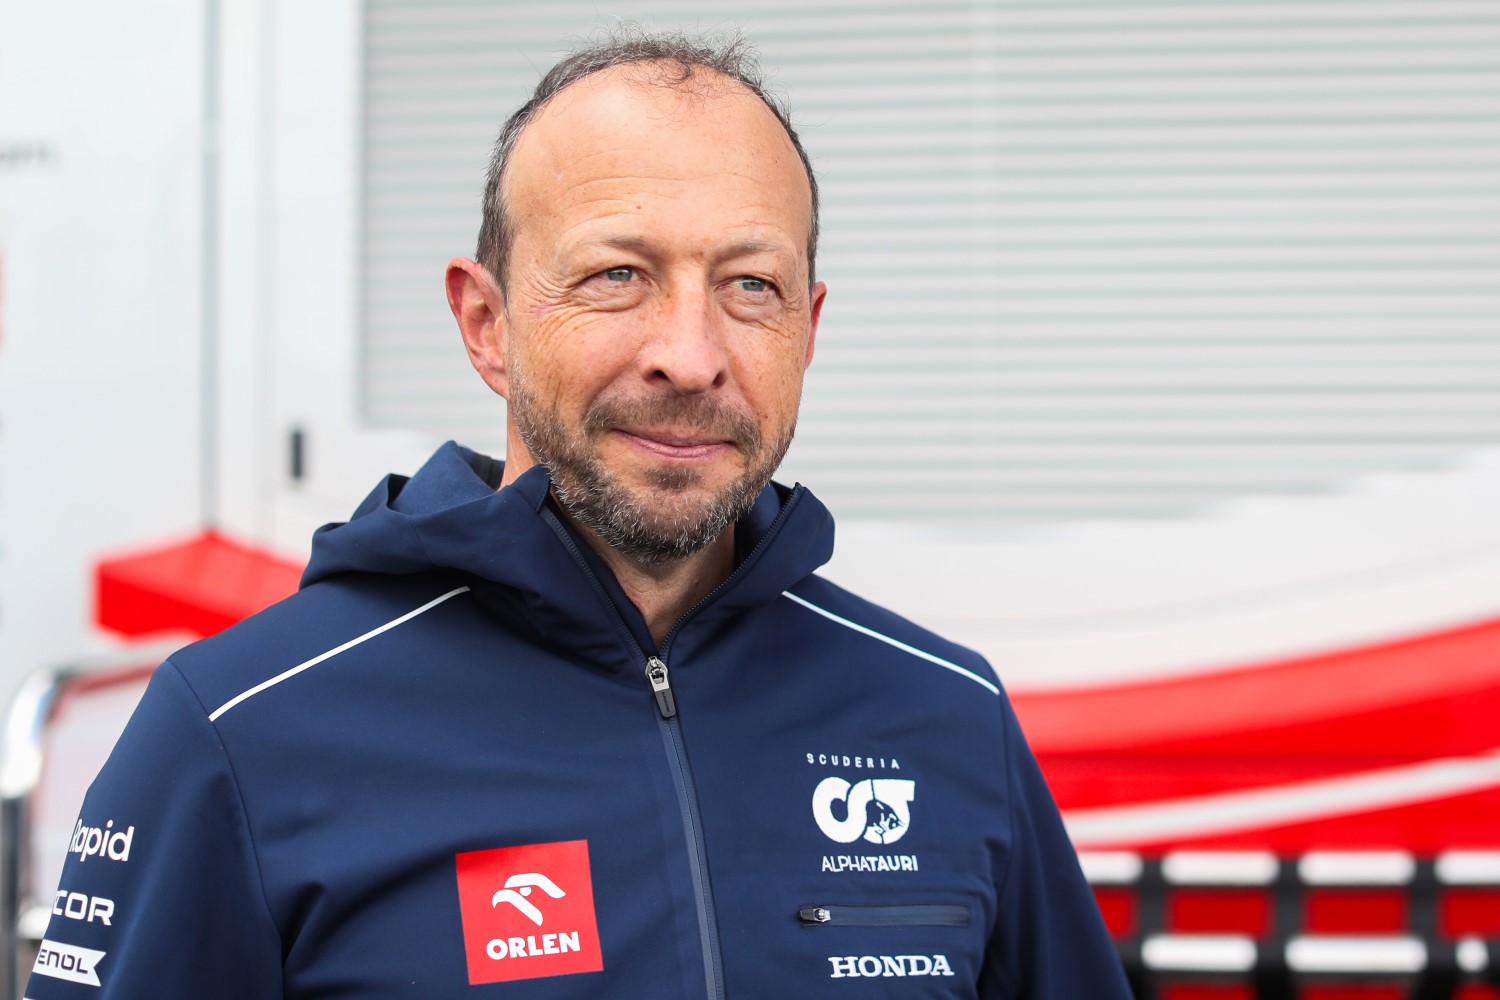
(661, 592)
(664, 592)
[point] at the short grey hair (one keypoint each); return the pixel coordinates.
(680, 57)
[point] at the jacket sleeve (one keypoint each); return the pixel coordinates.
(161, 893)
(1049, 941)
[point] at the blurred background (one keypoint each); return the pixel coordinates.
(1161, 361)
(1141, 311)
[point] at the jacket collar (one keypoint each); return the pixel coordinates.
(528, 564)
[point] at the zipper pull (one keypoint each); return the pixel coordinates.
(656, 673)
(814, 915)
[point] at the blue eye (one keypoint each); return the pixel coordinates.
(753, 285)
(620, 273)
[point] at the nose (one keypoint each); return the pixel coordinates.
(685, 348)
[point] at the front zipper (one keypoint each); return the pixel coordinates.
(687, 802)
(893, 915)
(661, 687)
(671, 733)
(682, 781)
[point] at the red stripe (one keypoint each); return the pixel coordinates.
(1423, 696)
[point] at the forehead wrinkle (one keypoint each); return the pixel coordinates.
(602, 165)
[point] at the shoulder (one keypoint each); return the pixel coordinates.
(317, 623)
(887, 634)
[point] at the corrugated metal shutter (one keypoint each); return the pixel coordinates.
(1086, 259)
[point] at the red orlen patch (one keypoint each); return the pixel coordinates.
(528, 911)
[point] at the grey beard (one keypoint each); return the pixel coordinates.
(661, 528)
(642, 535)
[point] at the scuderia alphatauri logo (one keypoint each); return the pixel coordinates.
(866, 810)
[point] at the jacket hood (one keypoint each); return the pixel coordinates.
(452, 516)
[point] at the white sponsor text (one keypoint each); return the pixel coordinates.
(68, 961)
(77, 906)
(527, 947)
(845, 760)
(888, 965)
(101, 841)
(869, 863)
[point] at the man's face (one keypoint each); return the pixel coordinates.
(658, 313)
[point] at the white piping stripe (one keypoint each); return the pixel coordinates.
(1258, 808)
(213, 716)
(914, 651)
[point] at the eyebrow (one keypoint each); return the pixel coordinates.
(745, 248)
(625, 242)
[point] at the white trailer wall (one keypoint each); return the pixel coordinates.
(100, 299)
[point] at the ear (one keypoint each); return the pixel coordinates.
(479, 308)
(819, 293)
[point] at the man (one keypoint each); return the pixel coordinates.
(584, 724)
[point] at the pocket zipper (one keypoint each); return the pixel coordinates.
(900, 915)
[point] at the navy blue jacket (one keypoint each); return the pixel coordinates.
(455, 765)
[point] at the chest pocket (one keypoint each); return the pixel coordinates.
(893, 915)
(905, 949)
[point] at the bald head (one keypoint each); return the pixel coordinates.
(619, 157)
(693, 67)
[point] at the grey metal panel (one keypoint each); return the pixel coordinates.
(1112, 258)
